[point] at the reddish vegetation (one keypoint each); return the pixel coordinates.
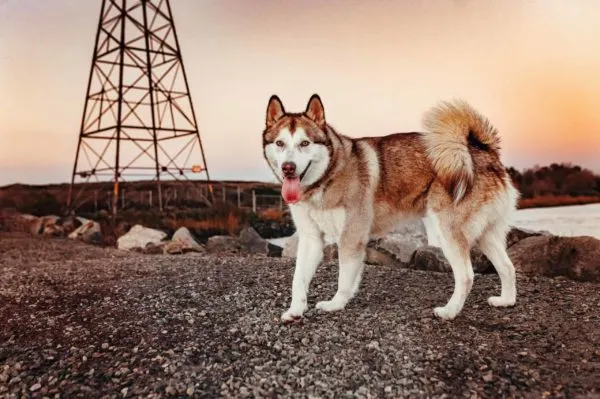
(232, 223)
(557, 200)
(272, 215)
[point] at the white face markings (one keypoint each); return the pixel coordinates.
(299, 149)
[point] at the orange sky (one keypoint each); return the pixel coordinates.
(531, 66)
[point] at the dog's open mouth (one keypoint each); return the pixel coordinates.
(290, 189)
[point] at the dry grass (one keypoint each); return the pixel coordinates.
(558, 200)
(232, 223)
(272, 215)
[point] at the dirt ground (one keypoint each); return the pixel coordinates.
(80, 321)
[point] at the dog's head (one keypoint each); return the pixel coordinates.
(296, 146)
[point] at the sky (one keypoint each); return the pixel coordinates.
(531, 66)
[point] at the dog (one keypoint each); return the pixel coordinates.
(349, 190)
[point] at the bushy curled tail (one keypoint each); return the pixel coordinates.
(453, 130)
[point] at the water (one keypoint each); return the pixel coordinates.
(576, 220)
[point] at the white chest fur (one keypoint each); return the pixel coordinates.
(329, 221)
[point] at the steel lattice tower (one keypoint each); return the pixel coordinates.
(138, 118)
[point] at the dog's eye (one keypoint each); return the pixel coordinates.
(304, 143)
(279, 143)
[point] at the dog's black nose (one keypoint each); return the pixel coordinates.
(289, 169)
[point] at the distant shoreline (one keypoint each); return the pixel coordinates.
(18, 191)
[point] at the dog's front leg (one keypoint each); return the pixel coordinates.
(352, 250)
(308, 257)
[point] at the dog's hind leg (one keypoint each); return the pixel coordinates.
(456, 249)
(493, 245)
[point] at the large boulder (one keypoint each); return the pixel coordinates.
(182, 242)
(577, 258)
(517, 234)
(397, 248)
(89, 232)
(252, 242)
(139, 237)
(249, 242)
(432, 259)
(414, 230)
(429, 258)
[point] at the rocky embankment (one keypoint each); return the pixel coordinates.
(532, 252)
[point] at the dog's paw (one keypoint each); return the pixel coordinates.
(291, 316)
(444, 313)
(330, 306)
(499, 301)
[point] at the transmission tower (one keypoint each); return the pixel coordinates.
(138, 119)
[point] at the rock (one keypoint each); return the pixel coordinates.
(518, 234)
(69, 223)
(89, 232)
(290, 248)
(376, 257)
(13, 221)
(397, 248)
(252, 242)
(156, 249)
(46, 225)
(227, 244)
(51, 226)
(481, 264)
(415, 230)
(182, 242)
(139, 237)
(577, 258)
(274, 251)
(432, 259)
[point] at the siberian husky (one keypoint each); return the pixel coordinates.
(348, 190)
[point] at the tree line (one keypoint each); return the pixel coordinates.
(564, 179)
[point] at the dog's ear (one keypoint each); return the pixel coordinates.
(275, 110)
(316, 111)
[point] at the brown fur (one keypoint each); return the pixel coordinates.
(455, 132)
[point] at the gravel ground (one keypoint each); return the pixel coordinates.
(80, 321)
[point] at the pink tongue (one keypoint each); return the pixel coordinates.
(290, 190)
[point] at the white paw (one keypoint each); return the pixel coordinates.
(330, 306)
(445, 313)
(499, 301)
(292, 315)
